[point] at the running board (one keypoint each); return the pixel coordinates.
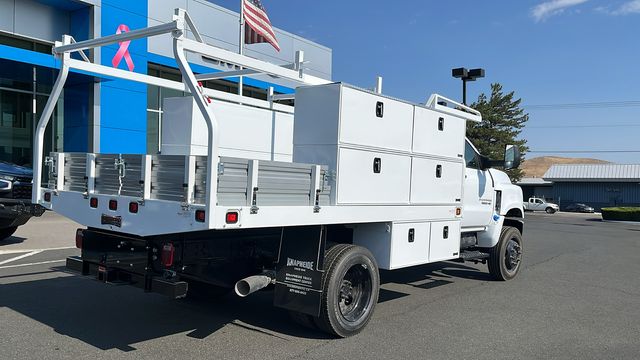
(467, 255)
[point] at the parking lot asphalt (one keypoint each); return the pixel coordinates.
(577, 296)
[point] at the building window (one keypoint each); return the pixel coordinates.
(22, 101)
(26, 44)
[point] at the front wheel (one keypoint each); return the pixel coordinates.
(7, 232)
(350, 286)
(505, 259)
(550, 210)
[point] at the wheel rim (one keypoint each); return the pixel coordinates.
(512, 256)
(355, 293)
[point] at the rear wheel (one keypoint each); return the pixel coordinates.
(350, 285)
(7, 232)
(505, 259)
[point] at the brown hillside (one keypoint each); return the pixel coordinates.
(536, 167)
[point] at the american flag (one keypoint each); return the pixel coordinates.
(259, 28)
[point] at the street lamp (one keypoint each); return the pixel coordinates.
(466, 75)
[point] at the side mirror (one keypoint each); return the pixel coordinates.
(512, 157)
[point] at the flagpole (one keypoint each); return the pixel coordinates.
(241, 43)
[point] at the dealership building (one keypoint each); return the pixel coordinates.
(115, 116)
(597, 185)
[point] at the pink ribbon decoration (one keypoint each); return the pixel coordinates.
(123, 51)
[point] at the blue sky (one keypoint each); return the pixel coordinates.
(548, 52)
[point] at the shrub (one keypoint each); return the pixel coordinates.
(621, 213)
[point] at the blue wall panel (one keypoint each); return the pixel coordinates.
(78, 90)
(123, 116)
(597, 194)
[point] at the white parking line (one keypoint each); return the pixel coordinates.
(31, 264)
(20, 251)
(20, 257)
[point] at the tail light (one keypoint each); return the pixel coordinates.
(93, 202)
(133, 207)
(79, 238)
(232, 217)
(200, 216)
(113, 205)
(47, 197)
(167, 254)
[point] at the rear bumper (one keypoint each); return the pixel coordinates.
(172, 289)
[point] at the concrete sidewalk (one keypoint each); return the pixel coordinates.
(48, 231)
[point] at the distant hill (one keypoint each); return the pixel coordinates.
(536, 167)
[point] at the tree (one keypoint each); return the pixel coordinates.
(502, 123)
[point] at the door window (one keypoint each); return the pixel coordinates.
(472, 158)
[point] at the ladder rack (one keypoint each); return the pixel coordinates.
(181, 45)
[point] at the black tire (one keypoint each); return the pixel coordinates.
(7, 232)
(549, 210)
(505, 259)
(350, 286)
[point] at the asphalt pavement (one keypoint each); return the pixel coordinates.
(577, 296)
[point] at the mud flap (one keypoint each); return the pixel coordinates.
(300, 267)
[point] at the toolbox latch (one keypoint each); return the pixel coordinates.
(379, 109)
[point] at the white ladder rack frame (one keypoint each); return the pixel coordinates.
(181, 45)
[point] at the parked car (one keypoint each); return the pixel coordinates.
(538, 204)
(15, 198)
(578, 207)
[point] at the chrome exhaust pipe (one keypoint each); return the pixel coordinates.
(251, 284)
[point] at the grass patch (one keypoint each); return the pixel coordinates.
(621, 213)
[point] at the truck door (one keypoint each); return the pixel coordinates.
(478, 191)
(539, 204)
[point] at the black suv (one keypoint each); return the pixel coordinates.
(15, 198)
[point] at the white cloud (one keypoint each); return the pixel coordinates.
(550, 8)
(630, 7)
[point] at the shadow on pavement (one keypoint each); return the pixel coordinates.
(116, 317)
(11, 240)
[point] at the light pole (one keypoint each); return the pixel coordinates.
(466, 75)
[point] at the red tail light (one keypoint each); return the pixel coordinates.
(47, 197)
(133, 207)
(200, 216)
(113, 205)
(167, 254)
(79, 238)
(232, 217)
(93, 202)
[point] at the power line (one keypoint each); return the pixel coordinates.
(584, 105)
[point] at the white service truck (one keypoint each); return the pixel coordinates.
(310, 200)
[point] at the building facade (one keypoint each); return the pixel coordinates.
(114, 116)
(597, 185)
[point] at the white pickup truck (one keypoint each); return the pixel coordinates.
(538, 204)
(309, 201)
